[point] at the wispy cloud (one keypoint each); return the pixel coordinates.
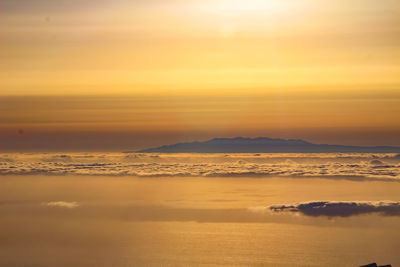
(62, 204)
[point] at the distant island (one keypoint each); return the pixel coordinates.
(264, 145)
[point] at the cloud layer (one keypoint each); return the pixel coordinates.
(340, 208)
(358, 167)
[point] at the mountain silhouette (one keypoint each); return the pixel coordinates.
(264, 145)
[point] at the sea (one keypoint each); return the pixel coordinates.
(137, 209)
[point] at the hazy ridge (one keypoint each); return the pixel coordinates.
(265, 145)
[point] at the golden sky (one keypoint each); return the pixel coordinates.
(138, 73)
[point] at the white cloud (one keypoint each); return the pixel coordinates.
(62, 204)
(358, 167)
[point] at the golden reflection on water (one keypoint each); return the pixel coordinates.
(127, 221)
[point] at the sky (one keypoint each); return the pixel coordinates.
(120, 75)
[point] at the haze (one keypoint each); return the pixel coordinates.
(133, 74)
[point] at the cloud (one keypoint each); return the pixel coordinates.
(354, 167)
(58, 158)
(62, 204)
(376, 162)
(340, 208)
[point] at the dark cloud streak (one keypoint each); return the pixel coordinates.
(340, 209)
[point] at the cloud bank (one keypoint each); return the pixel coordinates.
(340, 208)
(357, 167)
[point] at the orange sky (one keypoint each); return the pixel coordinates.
(131, 74)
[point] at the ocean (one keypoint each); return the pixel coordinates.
(129, 209)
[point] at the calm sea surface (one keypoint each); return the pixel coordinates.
(128, 221)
